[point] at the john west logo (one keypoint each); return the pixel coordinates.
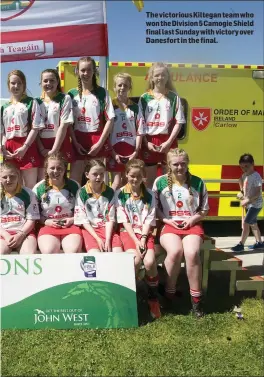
(88, 265)
(15, 8)
(201, 117)
(74, 316)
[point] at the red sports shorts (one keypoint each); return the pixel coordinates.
(150, 157)
(90, 241)
(87, 140)
(31, 158)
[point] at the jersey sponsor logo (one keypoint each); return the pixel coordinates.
(84, 119)
(124, 134)
(49, 126)
(201, 117)
(9, 219)
(15, 128)
(179, 213)
(155, 124)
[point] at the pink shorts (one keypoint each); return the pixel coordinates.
(90, 241)
(59, 232)
(123, 149)
(12, 232)
(153, 158)
(66, 148)
(128, 243)
(31, 158)
(197, 229)
(87, 139)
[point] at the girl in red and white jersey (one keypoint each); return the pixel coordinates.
(163, 116)
(57, 113)
(19, 211)
(124, 139)
(182, 204)
(136, 215)
(21, 121)
(95, 211)
(56, 198)
(93, 117)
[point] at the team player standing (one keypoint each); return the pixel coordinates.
(84, 127)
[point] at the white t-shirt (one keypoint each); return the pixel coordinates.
(94, 210)
(126, 124)
(18, 119)
(54, 203)
(17, 209)
(91, 111)
(160, 115)
(249, 183)
(55, 113)
(176, 205)
(137, 212)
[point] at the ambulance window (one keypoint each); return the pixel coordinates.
(182, 132)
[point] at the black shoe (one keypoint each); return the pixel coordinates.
(197, 308)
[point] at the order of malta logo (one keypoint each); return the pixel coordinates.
(15, 8)
(201, 117)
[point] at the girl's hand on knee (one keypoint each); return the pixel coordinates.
(101, 244)
(15, 240)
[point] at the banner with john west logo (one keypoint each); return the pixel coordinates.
(68, 291)
(39, 29)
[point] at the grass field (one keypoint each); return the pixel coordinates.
(176, 345)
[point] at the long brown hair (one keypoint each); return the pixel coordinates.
(168, 85)
(56, 74)
(176, 153)
(136, 163)
(87, 59)
(20, 74)
(93, 162)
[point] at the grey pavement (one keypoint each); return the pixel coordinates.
(253, 259)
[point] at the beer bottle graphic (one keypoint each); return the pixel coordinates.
(88, 266)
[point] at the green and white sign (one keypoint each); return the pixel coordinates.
(66, 291)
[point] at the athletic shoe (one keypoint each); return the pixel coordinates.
(154, 308)
(197, 308)
(257, 245)
(238, 248)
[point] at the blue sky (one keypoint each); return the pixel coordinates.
(126, 28)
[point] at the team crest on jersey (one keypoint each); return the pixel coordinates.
(124, 126)
(58, 209)
(179, 204)
(201, 117)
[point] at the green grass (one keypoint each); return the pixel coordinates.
(176, 345)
